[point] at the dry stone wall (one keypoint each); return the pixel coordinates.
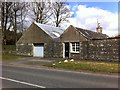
(24, 50)
(107, 49)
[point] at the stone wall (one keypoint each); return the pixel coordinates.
(48, 50)
(75, 56)
(51, 50)
(57, 50)
(107, 49)
(24, 50)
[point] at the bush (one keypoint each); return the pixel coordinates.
(8, 49)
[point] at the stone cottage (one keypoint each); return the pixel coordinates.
(81, 44)
(42, 40)
(72, 38)
(38, 40)
(47, 41)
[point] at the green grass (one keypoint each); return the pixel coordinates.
(88, 66)
(8, 52)
(10, 57)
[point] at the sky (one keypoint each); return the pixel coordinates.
(86, 14)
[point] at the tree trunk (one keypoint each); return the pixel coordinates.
(15, 26)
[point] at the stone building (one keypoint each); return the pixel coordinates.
(53, 42)
(73, 37)
(38, 40)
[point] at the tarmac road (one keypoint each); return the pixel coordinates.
(28, 77)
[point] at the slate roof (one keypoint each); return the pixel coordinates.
(52, 31)
(91, 35)
(55, 32)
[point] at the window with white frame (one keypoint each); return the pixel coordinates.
(75, 47)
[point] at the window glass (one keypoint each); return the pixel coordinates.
(75, 47)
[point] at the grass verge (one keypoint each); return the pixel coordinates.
(88, 66)
(10, 57)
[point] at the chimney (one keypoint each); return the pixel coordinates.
(99, 28)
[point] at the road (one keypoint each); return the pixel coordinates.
(26, 77)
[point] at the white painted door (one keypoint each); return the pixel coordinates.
(38, 51)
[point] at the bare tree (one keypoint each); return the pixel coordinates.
(41, 11)
(5, 8)
(60, 13)
(19, 14)
(10, 16)
(22, 14)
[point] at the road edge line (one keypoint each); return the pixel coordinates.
(13, 80)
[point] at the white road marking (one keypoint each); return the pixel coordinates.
(22, 82)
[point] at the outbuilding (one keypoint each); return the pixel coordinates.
(42, 40)
(38, 40)
(72, 38)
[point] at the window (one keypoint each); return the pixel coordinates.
(75, 47)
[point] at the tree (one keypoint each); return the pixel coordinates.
(16, 12)
(12, 14)
(5, 8)
(60, 13)
(41, 11)
(21, 15)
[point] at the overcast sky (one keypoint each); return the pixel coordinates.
(85, 15)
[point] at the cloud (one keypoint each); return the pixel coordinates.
(86, 17)
(74, 7)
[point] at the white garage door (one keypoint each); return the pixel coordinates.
(38, 51)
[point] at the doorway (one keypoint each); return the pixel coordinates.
(67, 50)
